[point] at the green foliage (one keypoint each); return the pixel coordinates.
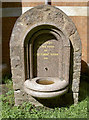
(27, 110)
(7, 79)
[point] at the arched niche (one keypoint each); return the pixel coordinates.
(46, 50)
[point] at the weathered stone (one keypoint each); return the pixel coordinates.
(75, 39)
(17, 73)
(15, 51)
(69, 27)
(76, 74)
(20, 94)
(54, 26)
(77, 66)
(75, 85)
(77, 58)
(18, 85)
(16, 62)
(75, 96)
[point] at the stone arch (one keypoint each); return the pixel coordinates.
(47, 28)
(43, 15)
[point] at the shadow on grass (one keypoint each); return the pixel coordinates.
(84, 85)
(66, 100)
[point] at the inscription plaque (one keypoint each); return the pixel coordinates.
(46, 56)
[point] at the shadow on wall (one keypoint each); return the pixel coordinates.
(84, 68)
(10, 12)
(84, 81)
(83, 89)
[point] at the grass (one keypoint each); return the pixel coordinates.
(27, 110)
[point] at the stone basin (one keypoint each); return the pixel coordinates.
(46, 87)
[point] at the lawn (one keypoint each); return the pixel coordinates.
(27, 110)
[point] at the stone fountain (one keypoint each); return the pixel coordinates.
(45, 52)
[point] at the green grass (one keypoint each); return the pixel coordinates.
(27, 110)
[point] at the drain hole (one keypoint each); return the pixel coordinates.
(46, 68)
(44, 82)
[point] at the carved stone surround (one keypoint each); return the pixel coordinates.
(37, 18)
